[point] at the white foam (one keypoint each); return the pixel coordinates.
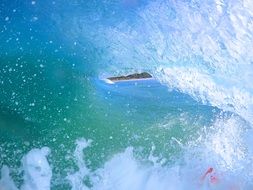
(6, 182)
(220, 146)
(203, 87)
(226, 150)
(108, 81)
(76, 179)
(123, 172)
(37, 171)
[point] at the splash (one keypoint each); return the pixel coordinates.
(6, 182)
(37, 172)
(76, 179)
(226, 152)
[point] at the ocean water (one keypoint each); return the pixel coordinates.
(62, 126)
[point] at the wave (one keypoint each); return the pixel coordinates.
(204, 49)
(220, 147)
(200, 48)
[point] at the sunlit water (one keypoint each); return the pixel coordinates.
(63, 127)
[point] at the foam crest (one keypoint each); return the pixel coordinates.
(204, 87)
(227, 143)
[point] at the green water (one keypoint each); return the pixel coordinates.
(54, 53)
(53, 104)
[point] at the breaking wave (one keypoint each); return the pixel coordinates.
(203, 49)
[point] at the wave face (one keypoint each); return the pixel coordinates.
(203, 49)
(190, 128)
(200, 48)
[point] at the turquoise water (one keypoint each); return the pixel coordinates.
(62, 126)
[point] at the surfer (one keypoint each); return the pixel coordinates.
(213, 178)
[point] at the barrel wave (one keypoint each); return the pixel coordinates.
(64, 126)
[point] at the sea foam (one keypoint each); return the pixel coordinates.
(37, 172)
(219, 146)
